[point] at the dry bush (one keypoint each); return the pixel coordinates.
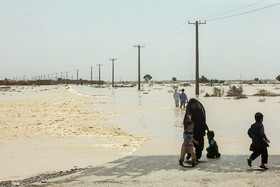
(235, 91)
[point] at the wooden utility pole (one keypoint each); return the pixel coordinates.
(139, 77)
(99, 73)
(113, 73)
(91, 75)
(77, 76)
(66, 77)
(197, 23)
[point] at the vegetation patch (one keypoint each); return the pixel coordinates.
(264, 92)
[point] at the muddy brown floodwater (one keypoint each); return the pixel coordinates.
(152, 113)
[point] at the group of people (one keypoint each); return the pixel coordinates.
(195, 128)
(182, 97)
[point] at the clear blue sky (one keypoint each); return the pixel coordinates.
(40, 37)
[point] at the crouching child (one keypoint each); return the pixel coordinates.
(188, 144)
(212, 150)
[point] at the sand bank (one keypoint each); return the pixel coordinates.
(52, 128)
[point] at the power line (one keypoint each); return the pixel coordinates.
(180, 34)
(234, 10)
(243, 13)
(208, 18)
(165, 35)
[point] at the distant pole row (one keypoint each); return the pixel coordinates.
(196, 23)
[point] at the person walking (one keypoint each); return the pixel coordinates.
(176, 96)
(183, 99)
(259, 141)
(196, 112)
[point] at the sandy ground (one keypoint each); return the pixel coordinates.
(52, 128)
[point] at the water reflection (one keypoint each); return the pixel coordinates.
(140, 98)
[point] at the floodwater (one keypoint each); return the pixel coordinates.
(152, 113)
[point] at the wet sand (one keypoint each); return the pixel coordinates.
(52, 128)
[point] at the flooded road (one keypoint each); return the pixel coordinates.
(152, 113)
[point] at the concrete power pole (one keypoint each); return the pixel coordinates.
(99, 73)
(139, 46)
(113, 60)
(197, 23)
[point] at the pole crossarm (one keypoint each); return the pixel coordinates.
(197, 22)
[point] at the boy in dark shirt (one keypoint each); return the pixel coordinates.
(212, 150)
(259, 141)
(188, 146)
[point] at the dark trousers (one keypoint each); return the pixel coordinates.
(264, 154)
(183, 104)
(213, 156)
(198, 148)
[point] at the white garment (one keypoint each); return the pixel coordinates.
(176, 96)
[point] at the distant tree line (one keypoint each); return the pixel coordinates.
(204, 79)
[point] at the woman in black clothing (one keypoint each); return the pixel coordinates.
(195, 112)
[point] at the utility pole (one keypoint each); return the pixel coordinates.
(113, 60)
(77, 76)
(138, 46)
(91, 75)
(66, 77)
(197, 23)
(55, 76)
(61, 74)
(99, 73)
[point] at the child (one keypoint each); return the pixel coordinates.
(212, 150)
(183, 99)
(176, 96)
(188, 146)
(259, 141)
